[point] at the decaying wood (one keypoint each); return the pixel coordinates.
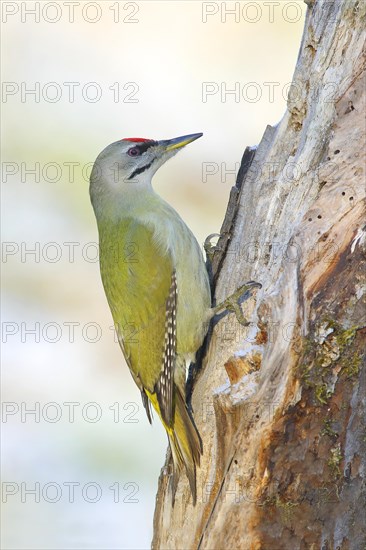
(280, 404)
(215, 264)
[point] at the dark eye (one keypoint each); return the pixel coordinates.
(133, 152)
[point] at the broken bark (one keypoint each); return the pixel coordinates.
(280, 404)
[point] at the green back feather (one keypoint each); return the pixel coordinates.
(136, 275)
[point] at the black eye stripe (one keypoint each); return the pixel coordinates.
(142, 147)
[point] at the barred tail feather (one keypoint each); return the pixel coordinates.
(185, 444)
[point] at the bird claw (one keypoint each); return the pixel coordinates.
(232, 303)
(210, 248)
(234, 307)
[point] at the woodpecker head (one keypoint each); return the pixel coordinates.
(128, 165)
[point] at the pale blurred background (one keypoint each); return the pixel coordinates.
(167, 52)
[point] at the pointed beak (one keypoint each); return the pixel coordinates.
(177, 143)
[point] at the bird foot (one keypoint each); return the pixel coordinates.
(232, 303)
(210, 248)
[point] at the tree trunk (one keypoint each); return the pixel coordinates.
(280, 404)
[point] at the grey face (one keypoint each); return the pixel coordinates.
(132, 162)
(125, 160)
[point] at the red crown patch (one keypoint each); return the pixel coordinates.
(137, 140)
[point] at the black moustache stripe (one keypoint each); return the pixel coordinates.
(140, 170)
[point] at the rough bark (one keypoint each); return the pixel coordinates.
(280, 404)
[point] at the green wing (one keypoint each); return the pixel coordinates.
(137, 276)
